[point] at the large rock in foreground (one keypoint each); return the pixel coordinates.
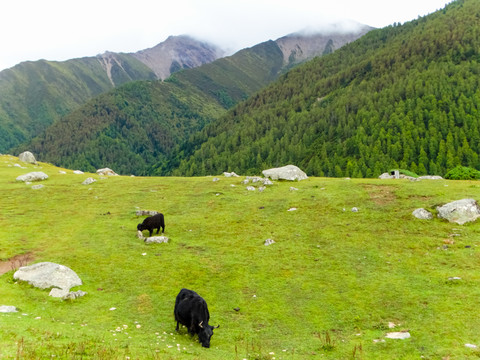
(33, 176)
(460, 211)
(46, 275)
(288, 172)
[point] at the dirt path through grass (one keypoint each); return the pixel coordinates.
(15, 262)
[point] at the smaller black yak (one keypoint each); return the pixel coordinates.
(151, 223)
(191, 310)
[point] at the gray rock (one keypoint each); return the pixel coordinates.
(156, 239)
(58, 293)
(430, 177)
(146, 212)
(7, 309)
(460, 211)
(88, 181)
(250, 188)
(215, 179)
(106, 172)
(231, 174)
(293, 188)
(45, 275)
(74, 295)
(401, 335)
(386, 176)
(288, 172)
(78, 172)
(37, 187)
(254, 179)
(354, 209)
(152, 239)
(27, 157)
(33, 176)
(422, 214)
(269, 242)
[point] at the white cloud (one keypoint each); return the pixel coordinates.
(64, 29)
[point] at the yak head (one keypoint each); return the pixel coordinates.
(205, 334)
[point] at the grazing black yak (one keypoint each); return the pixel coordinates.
(152, 222)
(191, 310)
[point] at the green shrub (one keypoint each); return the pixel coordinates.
(463, 173)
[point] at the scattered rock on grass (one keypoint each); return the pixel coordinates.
(7, 309)
(45, 275)
(269, 242)
(460, 211)
(422, 214)
(33, 176)
(106, 172)
(89, 181)
(288, 172)
(398, 335)
(27, 157)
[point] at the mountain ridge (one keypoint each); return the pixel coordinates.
(177, 107)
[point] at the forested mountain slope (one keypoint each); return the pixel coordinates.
(35, 94)
(400, 97)
(137, 127)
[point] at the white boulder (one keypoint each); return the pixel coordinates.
(33, 176)
(46, 275)
(7, 309)
(460, 211)
(106, 172)
(27, 157)
(288, 172)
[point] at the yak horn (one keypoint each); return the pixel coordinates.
(216, 327)
(201, 324)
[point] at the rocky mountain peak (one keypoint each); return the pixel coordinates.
(176, 53)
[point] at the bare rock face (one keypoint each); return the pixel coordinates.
(460, 211)
(288, 172)
(46, 275)
(301, 46)
(177, 53)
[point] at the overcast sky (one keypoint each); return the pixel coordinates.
(65, 29)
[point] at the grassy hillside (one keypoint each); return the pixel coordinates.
(136, 127)
(35, 94)
(328, 287)
(405, 96)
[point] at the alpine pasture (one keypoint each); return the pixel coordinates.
(332, 285)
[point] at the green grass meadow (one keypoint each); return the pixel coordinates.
(327, 288)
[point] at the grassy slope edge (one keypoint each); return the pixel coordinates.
(329, 286)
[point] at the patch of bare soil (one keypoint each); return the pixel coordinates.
(15, 262)
(381, 194)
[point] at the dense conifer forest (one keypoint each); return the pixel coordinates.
(406, 96)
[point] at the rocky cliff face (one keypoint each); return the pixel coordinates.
(176, 53)
(298, 47)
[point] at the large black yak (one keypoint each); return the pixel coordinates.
(191, 310)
